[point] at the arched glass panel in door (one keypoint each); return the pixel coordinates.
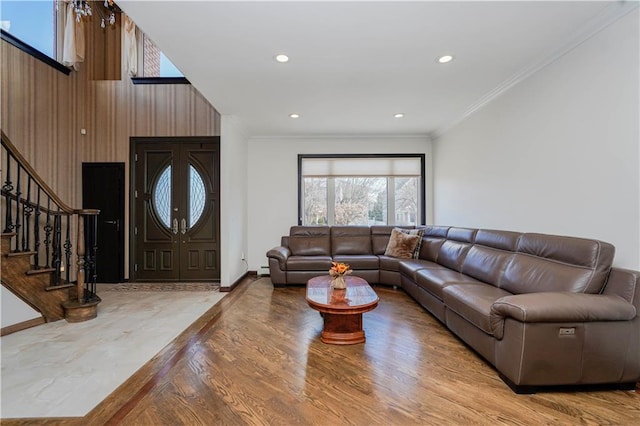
(162, 197)
(197, 195)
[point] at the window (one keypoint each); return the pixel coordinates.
(155, 63)
(32, 22)
(361, 190)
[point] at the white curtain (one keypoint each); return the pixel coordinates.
(130, 46)
(73, 49)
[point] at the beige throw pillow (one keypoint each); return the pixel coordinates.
(420, 232)
(402, 245)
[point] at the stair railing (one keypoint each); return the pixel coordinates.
(44, 225)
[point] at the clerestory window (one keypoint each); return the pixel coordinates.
(32, 22)
(155, 63)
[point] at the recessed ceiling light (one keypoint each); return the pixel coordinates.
(294, 115)
(398, 115)
(445, 58)
(282, 58)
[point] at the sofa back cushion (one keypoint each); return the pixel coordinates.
(464, 235)
(350, 240)
(452, 254)
(555, 263)
(436, 231)
(486, 264)
(453, 251)
(430, 248)
(310, 241)
(503, 240)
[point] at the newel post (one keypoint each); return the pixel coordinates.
(85, 307)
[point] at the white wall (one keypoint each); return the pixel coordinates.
(273, 180)
(558, 153)
(233, 199)
(14, 310)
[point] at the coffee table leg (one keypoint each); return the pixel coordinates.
(342, 329)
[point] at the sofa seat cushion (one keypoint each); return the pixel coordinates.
(409, 267)
(309, 263)
(435, 279)
(362, 261)
(473, 302)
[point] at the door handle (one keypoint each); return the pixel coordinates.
(175, 225)
(113, 222)
(183, 226)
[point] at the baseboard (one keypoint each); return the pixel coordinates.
(235, 283)
(22, 326)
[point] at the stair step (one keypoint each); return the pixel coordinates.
(40, 271)
(59, 287)
(20, 253)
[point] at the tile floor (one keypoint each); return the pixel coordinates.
(64, 370)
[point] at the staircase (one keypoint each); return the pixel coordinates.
(37, 249)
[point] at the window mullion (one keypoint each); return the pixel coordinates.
(391, 201)
(331, 201)
(58, 29)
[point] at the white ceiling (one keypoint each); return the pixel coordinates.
(354, 64)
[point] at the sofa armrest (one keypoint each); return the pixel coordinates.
(559, 307)
(281, 254)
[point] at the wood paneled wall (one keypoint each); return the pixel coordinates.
(43, 112)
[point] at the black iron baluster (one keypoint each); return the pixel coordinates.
(17, 224)
(27, 210)
(47, 233)
(36, 233)
(94, 264)
(56, 247)
(88, 258)
(7, 188)
(67, 250)
(91, 239)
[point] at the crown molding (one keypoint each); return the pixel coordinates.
(423, 136)
(607, 16)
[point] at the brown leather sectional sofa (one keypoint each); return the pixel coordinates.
(544, 310)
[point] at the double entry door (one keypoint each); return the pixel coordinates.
(176, 214)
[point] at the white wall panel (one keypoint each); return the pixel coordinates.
(558, 153)
(233, 199)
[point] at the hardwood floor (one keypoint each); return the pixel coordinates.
(256, 358)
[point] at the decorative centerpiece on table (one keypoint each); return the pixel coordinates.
(337, 273)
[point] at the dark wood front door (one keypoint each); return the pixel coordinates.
(175, 209)
(103, 189)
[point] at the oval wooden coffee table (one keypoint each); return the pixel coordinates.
(341, 309)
